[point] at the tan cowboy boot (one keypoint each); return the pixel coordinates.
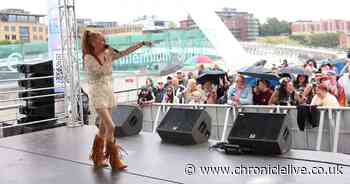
(97, 152)
(114, 156)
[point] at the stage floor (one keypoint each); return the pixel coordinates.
(60, 156)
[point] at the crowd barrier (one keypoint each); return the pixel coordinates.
(332, 134)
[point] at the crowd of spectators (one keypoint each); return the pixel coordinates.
(323, 86)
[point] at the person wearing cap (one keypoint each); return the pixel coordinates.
(335, 88)
(323, 97)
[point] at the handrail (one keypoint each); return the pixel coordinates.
(125, 91)
(250, 106)
(25, 79)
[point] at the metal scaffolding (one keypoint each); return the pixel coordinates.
(70, 65)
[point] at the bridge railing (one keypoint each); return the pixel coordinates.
(332, 134)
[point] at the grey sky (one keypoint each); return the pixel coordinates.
(125, 11)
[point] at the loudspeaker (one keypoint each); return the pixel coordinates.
(127, 120)
(261, 133)
(42, 68)
(36, 83)
(185, 126)
(46, 111)
(36, 93)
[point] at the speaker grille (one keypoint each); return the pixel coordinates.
(258, 126)
(180, 119)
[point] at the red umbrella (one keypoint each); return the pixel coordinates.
(203, 60)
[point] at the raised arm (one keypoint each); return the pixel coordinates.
(130, 50)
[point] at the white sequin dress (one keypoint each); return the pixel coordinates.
(100, 79)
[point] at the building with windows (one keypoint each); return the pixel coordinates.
(110, 28)
(243, 25)
(20, 25)
(153, 23)
(322, 26)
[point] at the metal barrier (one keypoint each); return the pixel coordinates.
(12, 101)
(332, 134)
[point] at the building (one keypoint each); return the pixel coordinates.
(108, 27)
(122, 30)
(152, 23)
(242, 25)
(322, 26)
(20, 25)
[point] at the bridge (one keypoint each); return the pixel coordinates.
(169, 46)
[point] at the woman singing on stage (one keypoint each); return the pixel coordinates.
(98, 58)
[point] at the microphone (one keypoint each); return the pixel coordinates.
(115, 50)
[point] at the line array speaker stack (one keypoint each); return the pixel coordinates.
(41, 108)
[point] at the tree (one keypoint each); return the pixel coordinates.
(274, 27)
(172, 24)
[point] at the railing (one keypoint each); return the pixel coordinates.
(12, 101)
(332, 134)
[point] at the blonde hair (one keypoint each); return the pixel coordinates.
(86, 46)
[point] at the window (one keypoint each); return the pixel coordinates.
(14, 37)
(32, 19)
(12, 18)
(13, 28)
(7, 37)
(40, 29)
(6, 28)
(41, 37)
(24, 33)
(34, 29)
(35, 37)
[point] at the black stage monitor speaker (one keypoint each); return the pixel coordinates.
(185, 126)
(127, 119)
(42, 68)
(261, 133)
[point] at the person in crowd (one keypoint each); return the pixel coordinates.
(181, 78)
(301, 83)
(150, 85)
(169, 95)
(239, 93)
(145, 96)
(285, 94)
(223, 86)
(284, 64)
(200, 69)
(344, 81)
(325, 68)
(169, 82)
(334, 88)
(190, 75)
(217, 68)
(311, 66)
(160, 92)
(191, 87)
(196, 98)
(262, 92)
(209, 93)
(323, 97)
(178, 91)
